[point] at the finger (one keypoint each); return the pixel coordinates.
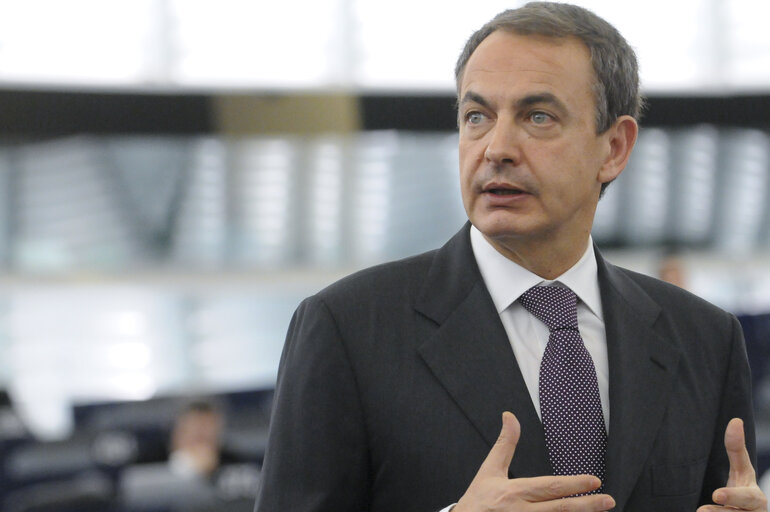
(546, 488)
(592, 503)
(500, 456)
(741, 470)
(742, 498)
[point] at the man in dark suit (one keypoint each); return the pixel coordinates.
(393, 381)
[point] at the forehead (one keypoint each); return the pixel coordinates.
(507, 59)
(198, 417)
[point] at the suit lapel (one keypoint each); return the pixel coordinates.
(471, 356)
(642, 370)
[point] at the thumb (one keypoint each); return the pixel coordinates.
(741, 470)
(500, 456)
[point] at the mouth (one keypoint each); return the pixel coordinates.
(498, 189)
(504, 191)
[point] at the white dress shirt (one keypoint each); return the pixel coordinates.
(507, 281)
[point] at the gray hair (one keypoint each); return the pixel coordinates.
(616, 83)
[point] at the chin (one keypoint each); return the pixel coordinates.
(501, 227)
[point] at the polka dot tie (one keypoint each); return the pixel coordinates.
(570, 406)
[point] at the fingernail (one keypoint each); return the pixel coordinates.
(719, 497)
(608, 503)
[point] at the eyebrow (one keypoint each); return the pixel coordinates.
(474, 97)
(540, 98)
(526, 101)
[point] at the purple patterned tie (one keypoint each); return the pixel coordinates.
(570, 406)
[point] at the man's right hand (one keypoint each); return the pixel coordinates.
(491, 490)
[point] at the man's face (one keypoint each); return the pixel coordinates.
(197, 428)
(531, 163)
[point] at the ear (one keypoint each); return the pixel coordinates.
(621, 138)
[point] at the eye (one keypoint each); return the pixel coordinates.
(540, 117)
(474, 117)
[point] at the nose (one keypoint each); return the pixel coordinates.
(503, 144)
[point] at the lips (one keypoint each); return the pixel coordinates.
(503, 189)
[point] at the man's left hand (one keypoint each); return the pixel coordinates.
(742, 491)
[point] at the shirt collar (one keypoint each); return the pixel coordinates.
(506, 280)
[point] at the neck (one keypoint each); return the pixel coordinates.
(547, 259)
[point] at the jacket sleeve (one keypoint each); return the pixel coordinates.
(316, 458)
(736, 403)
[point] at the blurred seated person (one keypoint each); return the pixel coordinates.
(671, 268)
(199, 475)
(187, 479)
(196, 440)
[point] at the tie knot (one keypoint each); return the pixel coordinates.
(555, 306)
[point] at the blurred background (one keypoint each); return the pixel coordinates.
(175, 176)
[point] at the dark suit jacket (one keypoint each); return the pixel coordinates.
(392, 384)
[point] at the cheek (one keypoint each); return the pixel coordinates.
(466, 188)
(465, 150)
(466, 176)
(468, 165)
(568, 168)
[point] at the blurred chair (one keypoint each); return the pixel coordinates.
(37, 461)
(89, 491)
(157, 488)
